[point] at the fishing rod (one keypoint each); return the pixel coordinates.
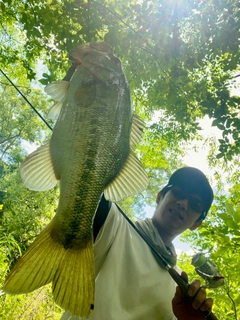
(183, 284)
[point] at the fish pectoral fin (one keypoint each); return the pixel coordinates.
(37, 170)
(136, 130)
(70, 271)
(55, 110)
(57, 90)
(131, 179)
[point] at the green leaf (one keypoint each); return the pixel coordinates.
(237, 215)
(219, 155)
(228, 220)
(43, 81)
(220, 126)
(230, 209)
(3, 8)
(36, 33)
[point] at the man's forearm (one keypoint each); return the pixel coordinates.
(101, 215)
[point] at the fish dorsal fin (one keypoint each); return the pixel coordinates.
(136, 130)
(131, 179)
(37, 170)
(57, 90)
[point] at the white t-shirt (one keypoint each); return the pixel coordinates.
(130, 285)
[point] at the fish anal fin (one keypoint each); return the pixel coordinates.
(136, 130)
(131, 180)
(37, 170)
(70, 271)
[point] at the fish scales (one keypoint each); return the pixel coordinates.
(92, 162)
(89, 152)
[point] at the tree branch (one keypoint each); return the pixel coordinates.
(10, 138)
(233, 303)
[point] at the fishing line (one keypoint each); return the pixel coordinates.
(23, 96)
(88, 22)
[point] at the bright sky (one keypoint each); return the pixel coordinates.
(198, 158)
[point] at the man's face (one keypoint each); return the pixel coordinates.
(174, 215)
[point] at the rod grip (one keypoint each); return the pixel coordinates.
(184, 287)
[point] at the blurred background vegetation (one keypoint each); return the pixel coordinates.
(181, 59)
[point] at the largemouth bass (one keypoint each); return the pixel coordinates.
(89, 152)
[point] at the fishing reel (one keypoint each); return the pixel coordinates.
(206, 269)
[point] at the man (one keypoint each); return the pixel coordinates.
(131, 284)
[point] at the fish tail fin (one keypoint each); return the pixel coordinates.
(71, 272)
(73, 284)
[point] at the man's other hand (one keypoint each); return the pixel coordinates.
(186, 310)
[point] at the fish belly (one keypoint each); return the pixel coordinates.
(89, 146)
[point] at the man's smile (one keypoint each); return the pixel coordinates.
(176, 213)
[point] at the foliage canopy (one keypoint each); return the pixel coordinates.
(179, 57)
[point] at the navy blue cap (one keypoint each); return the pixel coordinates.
(193, 181)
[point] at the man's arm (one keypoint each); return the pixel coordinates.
(101, 215)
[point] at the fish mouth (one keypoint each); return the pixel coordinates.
(80, 52)
(176, 213)
(97, 60)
